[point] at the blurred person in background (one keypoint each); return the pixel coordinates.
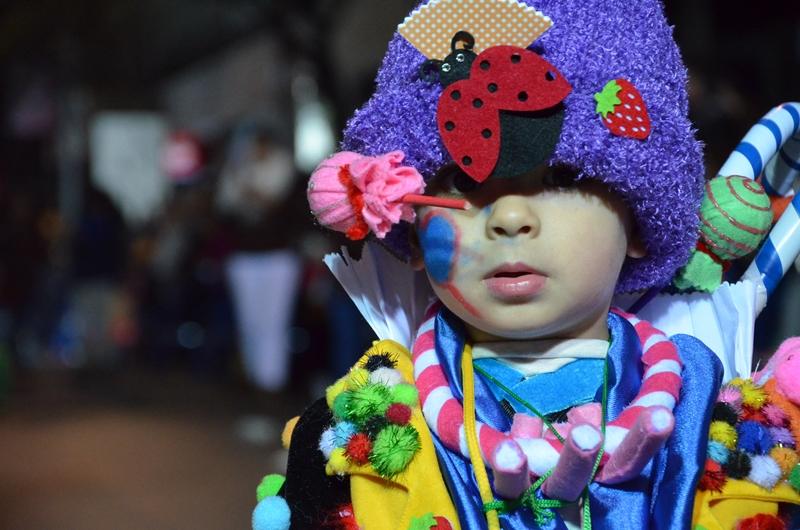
(264, 274)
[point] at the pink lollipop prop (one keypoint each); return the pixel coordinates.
(357, 194)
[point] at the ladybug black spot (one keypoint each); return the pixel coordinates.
(485, 65)
(550, 76)
(486, 133)
(477, 103)
(515, 58)
(522, 96)
(449, 125)
(492, 87)
(455, 94)
(466, 161)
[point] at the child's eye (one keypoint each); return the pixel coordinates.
(560, 177)
(451, 180)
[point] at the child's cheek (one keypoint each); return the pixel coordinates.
(439, 239)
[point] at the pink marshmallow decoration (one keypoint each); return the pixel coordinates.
(351, 193)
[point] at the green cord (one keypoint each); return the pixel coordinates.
(543, 508)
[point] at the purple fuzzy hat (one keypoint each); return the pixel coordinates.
(591, 42)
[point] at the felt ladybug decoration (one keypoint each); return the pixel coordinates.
(499, 113)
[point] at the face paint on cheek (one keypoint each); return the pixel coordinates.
(439, 239)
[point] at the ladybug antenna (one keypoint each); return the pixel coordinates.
(429, 71)
(464, 37)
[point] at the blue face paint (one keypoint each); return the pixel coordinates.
(438, 242)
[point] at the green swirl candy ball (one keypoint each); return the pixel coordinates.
(735, 216)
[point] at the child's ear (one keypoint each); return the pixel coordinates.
(416, 252)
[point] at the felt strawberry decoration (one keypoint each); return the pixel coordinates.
(622, 109)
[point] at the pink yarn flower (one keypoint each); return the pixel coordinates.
(356, 194)
(384, 182)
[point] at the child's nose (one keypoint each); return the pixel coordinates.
(512, 215)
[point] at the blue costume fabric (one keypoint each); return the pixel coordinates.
(661, 497)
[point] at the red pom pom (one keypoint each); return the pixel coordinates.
(358, 448)
(713, 478)
(761, 521)
(342, 518)
(751, 414)
(398, 413)
(441, 524)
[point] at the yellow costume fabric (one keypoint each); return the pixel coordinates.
(383, 504)
(738, 500)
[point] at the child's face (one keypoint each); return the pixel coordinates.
(530, 259)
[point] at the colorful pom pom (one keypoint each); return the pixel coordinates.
(405, 394)
(337, 463)
(713, 478)
(367, 401)
(754, 438)
(724, 433)
(731, 395)
(270, 486)
(738, 465)
(333, 391)
(398, 413)
(752, 395)
(373, 426)
(385, 376)
(272, 513)
(341, 406)
(752, 414)
(718, 452)
(327, 443)
(724, 412)
(782, 435)
(380, 360)
(775, 415)
(358, 448)
(762, 521)
(357, 378)
(786, 459)
(393, 449)
(342, 432)
(794, 478)
(288, 429)
(764, 471)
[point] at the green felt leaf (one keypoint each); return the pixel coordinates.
(701, 273)
(607, 98)
(422, 523)
(270, 486)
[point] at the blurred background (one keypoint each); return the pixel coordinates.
(163, 304)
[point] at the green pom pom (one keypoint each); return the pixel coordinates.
(794, 478)
(701, 273)
(270, 486)
(341, 406)
(393, 449)
(368, 401)
(735, 215)
(405, 394)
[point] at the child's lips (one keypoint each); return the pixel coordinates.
(514, 282)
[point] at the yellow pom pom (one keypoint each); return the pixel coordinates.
(723, 433)
(753, 396)
(288, 429)
(357, 378)
(786, 459)
(337, 463)
(334, 390)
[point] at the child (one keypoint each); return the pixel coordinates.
(559, 168)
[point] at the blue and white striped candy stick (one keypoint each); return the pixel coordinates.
(776, 132)
(779, 250)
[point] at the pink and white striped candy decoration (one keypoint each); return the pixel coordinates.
(445, 415)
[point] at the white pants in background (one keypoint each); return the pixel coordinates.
(264, 287)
